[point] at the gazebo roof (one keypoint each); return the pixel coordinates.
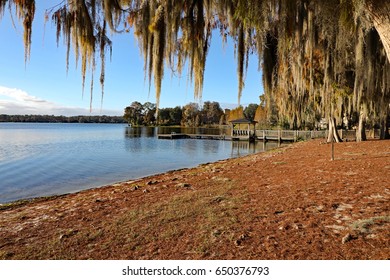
(242, 121)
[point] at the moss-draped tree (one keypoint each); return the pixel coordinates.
(318, 58)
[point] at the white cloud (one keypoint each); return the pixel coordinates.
(15, 101)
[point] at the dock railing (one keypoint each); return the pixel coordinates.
(288, 135)
(240, 132)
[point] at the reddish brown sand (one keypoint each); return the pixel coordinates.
(291, 203)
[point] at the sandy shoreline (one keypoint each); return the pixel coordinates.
(290, 203)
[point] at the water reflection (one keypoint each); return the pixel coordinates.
(191, 147)
(140, 131)
(193, 130)
(242, 148)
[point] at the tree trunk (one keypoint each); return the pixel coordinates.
(379, 14)
(361, 131)
(333, 135)
(384, 133)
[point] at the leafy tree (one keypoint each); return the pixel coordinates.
(261, 117)
(211, 112)
(190, 114)
(250, 111)
(170, 116)
(222, 120)
(164, 117)
(134, 113)
(235, 114)
(149, 113)
(129, 115)
(197, 121)
(176, 115)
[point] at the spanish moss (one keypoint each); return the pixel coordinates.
(319, 59)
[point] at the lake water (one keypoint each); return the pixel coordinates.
(47, 159)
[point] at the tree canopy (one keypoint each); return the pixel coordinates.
(328, 58)
(191, 115)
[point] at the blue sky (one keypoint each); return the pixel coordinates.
(42, 86)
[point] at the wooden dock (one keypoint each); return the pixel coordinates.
(193, 136)
(172, 136)
(270, 135)
(258, 135)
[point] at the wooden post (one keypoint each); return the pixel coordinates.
(332, 158)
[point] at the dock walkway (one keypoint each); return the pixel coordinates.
(271, 135)
(193, 136)
(259, 135)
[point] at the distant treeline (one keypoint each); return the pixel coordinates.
(190, 115)
(61, 119)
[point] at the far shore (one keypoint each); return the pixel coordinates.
(288, 203)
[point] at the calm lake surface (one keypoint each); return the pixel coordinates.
(47, 159)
